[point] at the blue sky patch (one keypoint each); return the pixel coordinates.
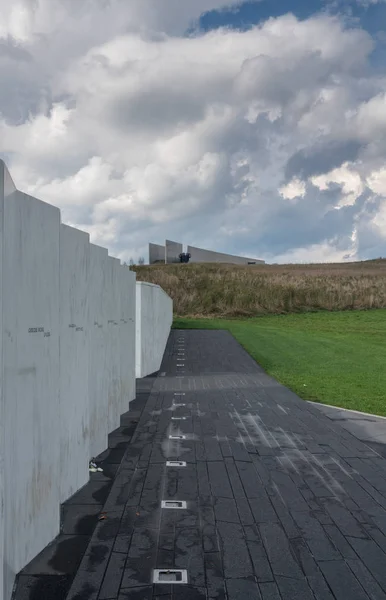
(372, 17)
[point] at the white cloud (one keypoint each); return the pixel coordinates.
(294, 189)
(316, 253)
(26, 19)
(137, 132)
(367, 3)
(379, 220)
(376, 181)
(347, 178)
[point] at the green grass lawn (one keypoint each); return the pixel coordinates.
(337, 358)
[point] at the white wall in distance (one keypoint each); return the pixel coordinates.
(74, 359)
(154, 317)
(202, 256)
(172, 251)
(127, 337)
(114, 391)
(156, 253)
(98, 350)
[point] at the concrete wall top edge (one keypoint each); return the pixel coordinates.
(112, 258)
(150, 284)
(31, 199)
(7, 185)
(80, 232)
(99, 249)
(153, 285)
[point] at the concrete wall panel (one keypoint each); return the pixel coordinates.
(127, 337)
(154, 317)
(138, 330)
(172, 251)
(67, 365)
(74, 360)
(98, 349)
(31, 379)
(114, 302)
(156, 253)
(122, 332)
(131, 311)
(7, 189)
(202, 256)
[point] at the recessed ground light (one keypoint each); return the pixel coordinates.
(177, 405)
(179, 393)
(175, 463)
(180, 504)
(176, 437)
(178, 418)
(170, 576)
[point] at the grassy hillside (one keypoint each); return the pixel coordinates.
(335, 358)
(216, 290)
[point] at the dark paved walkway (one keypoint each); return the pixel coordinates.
(281, 501)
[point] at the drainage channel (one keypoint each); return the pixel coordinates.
(179, 504)
(170, 576)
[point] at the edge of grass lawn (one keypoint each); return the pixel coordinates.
(332, 358)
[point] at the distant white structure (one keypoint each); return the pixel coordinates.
(156, 253)
(198, 255)
(170, 253)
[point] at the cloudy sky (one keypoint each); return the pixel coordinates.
(255, 128)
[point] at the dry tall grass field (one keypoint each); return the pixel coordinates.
(241, 291)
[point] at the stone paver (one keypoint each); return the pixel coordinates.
(282, 502)
(370, 429)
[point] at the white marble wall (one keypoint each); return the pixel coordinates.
(67, 365)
